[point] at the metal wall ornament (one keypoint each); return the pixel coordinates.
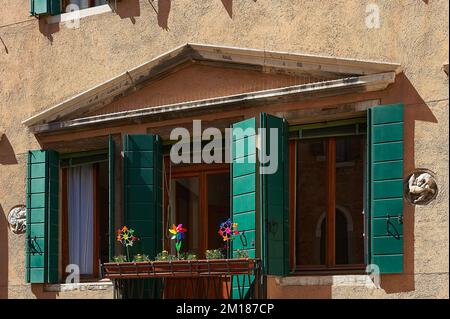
(420, 187)
(17, 219)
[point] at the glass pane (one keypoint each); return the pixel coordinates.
(350, 199)
(184, 199)
(218, 207)
(311, 202)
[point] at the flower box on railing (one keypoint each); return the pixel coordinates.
(181, 268)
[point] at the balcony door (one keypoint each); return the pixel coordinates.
(197, 196)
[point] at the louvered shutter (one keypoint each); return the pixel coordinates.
(42, 217)
(385, 187)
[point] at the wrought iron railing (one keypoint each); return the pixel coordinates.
(196, 279)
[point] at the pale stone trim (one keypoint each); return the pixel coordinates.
(335, 280)
(83, 13)
(365, 83)
(287, 60)
(82, 286)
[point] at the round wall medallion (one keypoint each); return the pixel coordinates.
(420, 187)
(17, 219)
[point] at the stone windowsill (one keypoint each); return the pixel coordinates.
(69, 16)
(82, 286)
(336, 280)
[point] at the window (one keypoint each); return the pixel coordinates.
(329, 200)
(85, 213)
(328, 191)
(82, 4)
(198, 197)
(56, 7)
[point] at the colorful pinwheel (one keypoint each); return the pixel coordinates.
(127, 238)
(228, 230)
(178, 233)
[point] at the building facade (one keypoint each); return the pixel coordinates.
(347, 101)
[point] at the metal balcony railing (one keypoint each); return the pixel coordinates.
(187, 279)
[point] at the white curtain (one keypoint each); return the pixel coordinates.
(81, 217)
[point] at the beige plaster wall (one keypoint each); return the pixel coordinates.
(42, 64)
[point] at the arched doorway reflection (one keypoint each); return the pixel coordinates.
(343, 228)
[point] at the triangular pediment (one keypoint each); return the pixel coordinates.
(196, 81)
(211, 74)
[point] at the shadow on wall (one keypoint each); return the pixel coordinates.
(162, 12)
(39, 293)
(228, 5)
(48, 29)
(415, 110)
(4, 230)
(7, 156)
(128, 9)
(4, 45)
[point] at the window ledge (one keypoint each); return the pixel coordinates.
(335, 280)
(70, 16)
(82, 286)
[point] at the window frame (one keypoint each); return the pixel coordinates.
(330, 266)
(64, 248)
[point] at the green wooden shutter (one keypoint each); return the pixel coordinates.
(42, 7)
(42, 217)
(385, 187)
(143, 203)
(143, 190)
(111, 197)
(274, 190)
(243, 191)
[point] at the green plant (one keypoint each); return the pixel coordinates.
(214, 254)
(188, 256)
(165, 256)
(241, 254)
(141, 257)
(120, 259)
(192, 256)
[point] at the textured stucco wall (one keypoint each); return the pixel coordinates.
(41, 65)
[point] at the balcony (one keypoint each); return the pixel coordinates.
(187, 279)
